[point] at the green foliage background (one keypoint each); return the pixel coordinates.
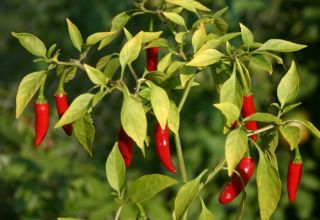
(62, 180)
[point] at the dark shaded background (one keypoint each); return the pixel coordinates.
(62, 180)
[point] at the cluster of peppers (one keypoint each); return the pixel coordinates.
(161, 135)
(245, 167)
(238, 180)
(42, 113)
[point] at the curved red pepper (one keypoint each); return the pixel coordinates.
(232, 189)
(293, 179)
(125, 144)
(163, 147)
(247, 110)
(41, 111)
(62, 106)
(152, 58)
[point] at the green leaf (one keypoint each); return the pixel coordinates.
(179, 37)
(205, 58)
(281, 46)
(235, 147)
(173, 118)
(261, 63)
(107, 40)
(130, 50)
(51, 49)
(269, 186)
(205, 213)
(119, 21)
(220, 12)
(199, 6)
(229, 36)
(185, 196)
(314, 131)
(273, 56)
(290, 107)
(263, 117)
(230, 111)
(161, 42)
(210, 44)
(148, 186)
(271, 140)
(96, 76)
(97, 37)
(231, 91)
(186, 73)
(199, 38)
(111, 67)
(127, 33)
(184, 4)
(69, 71)
(246, 35)
(164, 63)
(102, 62)
(75, 35)
(174, 66)
(160, 104)
(78, 108)
(175, 18)
(31, 43)
(291, 134)
(222, 25)
(84, 131)
(150, 36)
(115, 169)
(289, 86)
(133, 119)
(27, 88)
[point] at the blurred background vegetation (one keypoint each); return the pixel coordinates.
(60, 179)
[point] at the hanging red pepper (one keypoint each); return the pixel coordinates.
(248, 109)
(161, 135)
(294, 176)
(41, 111)
(232, 189)
(152, 58)
(125, 144)
(62, 106)
(163, 147)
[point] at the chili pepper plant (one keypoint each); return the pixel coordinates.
(176, 55)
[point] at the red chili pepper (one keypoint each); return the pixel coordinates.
(293, 179)
(41, 110)
(125, 144)
(163, 147)
(247, 110)
(152, 58)
(232, 189)
(62, 106)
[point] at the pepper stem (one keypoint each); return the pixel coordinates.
(41, 97)
(297, 155)
(151, 25)
(60, 90)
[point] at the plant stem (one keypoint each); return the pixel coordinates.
(41, 96)
(214, 172)
(134, 74)
(266, 128)
(182, 165)
(72, 63)
(118, 212)
(185, 93)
